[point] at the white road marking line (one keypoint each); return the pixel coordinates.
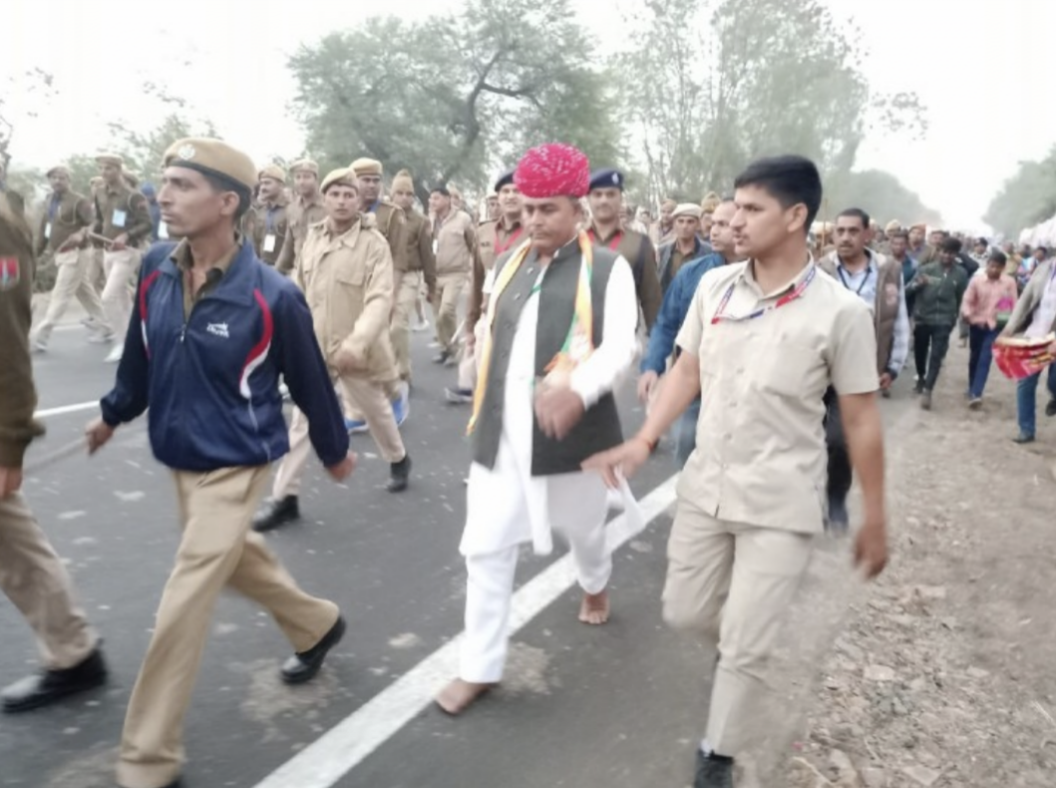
(43, 414)
(346, 745)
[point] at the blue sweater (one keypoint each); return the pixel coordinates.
(673, 311)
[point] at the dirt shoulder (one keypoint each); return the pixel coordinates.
(940, 674)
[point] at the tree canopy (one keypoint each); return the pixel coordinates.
(455, 98)
(1027, 198)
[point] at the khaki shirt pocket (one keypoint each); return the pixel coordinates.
(789, 369)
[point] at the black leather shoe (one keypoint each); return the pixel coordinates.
(1050, 408)
(302, 667)
(50, 686)
(277, 512)
(1021, 438)
(713, 771)
(400, 475)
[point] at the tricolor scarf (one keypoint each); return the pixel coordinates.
(579, 343)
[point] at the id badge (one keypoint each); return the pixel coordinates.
(436, 246)
(47, 231)
(118, 219)
(163, 230)
(269, 242)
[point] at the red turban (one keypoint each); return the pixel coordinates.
(553, 170)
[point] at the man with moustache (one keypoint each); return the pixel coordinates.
(606, 199)
(267, 221)
(421, 264)
(305, 210)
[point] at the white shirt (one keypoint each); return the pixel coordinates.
(1045, 314)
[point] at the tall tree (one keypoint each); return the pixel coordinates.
(453, 97)
(716, 83)
(1026, 199)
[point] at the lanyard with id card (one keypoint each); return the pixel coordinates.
(118, 218)
(269, 243)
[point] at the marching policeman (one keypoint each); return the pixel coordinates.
(212, 330)
(32, 576)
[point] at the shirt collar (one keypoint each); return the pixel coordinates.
(747, 278)
(869, 266)
(181, 255)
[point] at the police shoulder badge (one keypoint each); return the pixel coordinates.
(10, 273)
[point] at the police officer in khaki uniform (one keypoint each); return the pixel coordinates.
(213, 330)
(495, 237)
(122, 217)
(64, 225)
(761, 343)
(606, 197)
(345, 272)
(421, 263)
(305, 210)
(32, 576)
(266, 224)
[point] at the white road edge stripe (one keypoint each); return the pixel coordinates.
(346, 745)
(43, 414)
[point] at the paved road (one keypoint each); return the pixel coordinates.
(616, 706)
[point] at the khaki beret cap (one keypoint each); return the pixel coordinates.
(58, 169)
(273, 171)
(893, 226)
(403, 182)
(212, 157)
(687, 209)
(669, 203)
(110, 158)
(361, 167)
(343, 176)
(919, 226)
(305, 164)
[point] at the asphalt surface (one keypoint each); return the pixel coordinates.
(615, 706)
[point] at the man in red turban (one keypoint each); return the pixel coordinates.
(561, 330)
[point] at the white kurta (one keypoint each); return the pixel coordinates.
(506, 505)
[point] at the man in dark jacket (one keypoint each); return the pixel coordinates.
(940, 289)
(211, 331)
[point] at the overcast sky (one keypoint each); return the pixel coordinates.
(987, 87)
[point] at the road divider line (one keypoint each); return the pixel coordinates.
(61, 411)
(346, 745)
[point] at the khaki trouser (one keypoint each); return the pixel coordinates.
(400, 327)
(469, 366)
(35, 580)
(371, 399)
(121, 270)
(218, 549)
(71, 281)
(736, 581)
(96, 273)
(445, 308)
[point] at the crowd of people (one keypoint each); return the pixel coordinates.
(762, 339)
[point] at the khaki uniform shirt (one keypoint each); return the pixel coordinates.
(181, 255)
(391, 223)
(418, 236)
(760, 456)
(299, 217)
(120, 209)
(494, 239)
(347, 281)
(455, 243)
(72, 213)
(266, 227)
(18, 397)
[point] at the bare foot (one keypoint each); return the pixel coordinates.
(595, 608)
(459, 695)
